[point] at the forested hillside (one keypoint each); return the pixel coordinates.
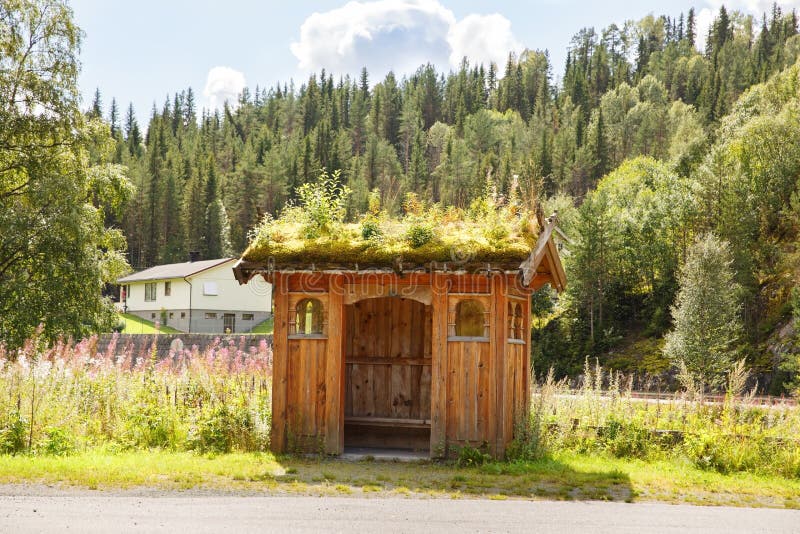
(650, 138)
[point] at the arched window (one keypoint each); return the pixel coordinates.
(511, 324)
(308, 320)
(470, 320)
(518, 322)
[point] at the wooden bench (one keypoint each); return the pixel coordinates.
(389, 422)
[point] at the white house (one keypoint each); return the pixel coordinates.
(196, 296)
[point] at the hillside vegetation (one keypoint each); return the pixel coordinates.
(650, 140)
(644, 144)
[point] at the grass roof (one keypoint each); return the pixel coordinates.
(313, 234)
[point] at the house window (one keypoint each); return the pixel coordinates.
(210, 288)
(171, 315)
(470, 319)
(150, 291)
(308, 318)
(153, 315)
(247, 317)
(211, 315)
(183, 315)
(167, 289)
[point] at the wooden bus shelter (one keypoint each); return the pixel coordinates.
(423, 359)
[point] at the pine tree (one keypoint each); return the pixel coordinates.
(190, 111)
(691, 26)
(599, 147)
(96, 111)
(218, 243)
(113, 119)
(707, 323)
(193, 213)
(133, 136)
(418, 170)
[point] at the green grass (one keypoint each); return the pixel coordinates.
(264, 327)
(565, 477)
(136, 325)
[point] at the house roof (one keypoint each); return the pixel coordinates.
(508, 241)
(173, 270)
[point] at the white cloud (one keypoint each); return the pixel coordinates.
(483, 39)
(223, 83)
(399, 35)
(704, 19)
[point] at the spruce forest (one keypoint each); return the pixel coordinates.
(651, 137)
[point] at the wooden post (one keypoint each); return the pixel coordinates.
(334, 368)
(439, 365)
(502, 400)
(280, 349)
(526, 382)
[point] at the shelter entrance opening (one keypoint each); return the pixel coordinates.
(388, 374)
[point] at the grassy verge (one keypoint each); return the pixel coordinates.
(264, 327)
(136, 325)
(565, 476)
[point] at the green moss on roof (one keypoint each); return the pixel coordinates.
(489, 232)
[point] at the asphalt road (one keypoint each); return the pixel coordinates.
(198, 513)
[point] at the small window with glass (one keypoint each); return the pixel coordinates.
(515, 322)
(470, 320)
(150, 291)
(308, 318)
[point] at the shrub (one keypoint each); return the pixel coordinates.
(57, 442)
(324, 205)
(625, 439)
(370, 229)
(419, 234)
(212, 433)
(12, 434)
(471, 456)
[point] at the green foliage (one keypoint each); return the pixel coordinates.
(218, 430)
(425, 234)
(419, 234)
(56, 442)
(471, 456)
(628, 238)
(75, 397)
(58, 185)
(12, 433)
(624, 438)
(324, 205)
(370, 228)
(706, 314)
(606, 420)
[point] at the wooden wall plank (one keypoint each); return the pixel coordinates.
(483, 389)
(415, 379)
(348, 395)
(425, 392)
(334, 378)
(279, 364)
(526, 358)
(499, 314)
(469, 414)
(427, 325)
(439, 367)
(394, 334)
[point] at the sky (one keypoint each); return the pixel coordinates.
(141, 51)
